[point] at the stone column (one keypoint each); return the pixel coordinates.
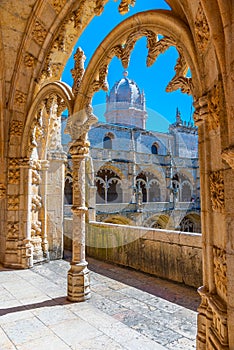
(78, 275)
(214, 310)
(43, 213)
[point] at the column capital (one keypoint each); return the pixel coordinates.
(79, 148)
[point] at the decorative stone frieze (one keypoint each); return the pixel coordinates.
(217, 190)
(124, 6)
(16, 127)
(214, 101)
(2, 191)
(20, 100)
(228, 156)
(13, 202)
(58, 4)
(39, 32)
(212, 322)
(220, 272)
(202, 32)
(99, 7)
(12, 230)
(201, 110)
(78, 70)
(13, 175)
(29, 60)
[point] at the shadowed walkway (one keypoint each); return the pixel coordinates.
(127, 310)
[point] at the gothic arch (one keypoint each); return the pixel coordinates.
(60, 89)
(127, 33)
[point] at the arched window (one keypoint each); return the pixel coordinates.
(107, 141)
(154, 148)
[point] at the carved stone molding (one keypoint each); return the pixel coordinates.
(228, 156)
(220, 271)
(201, 110)
(58, 4)
(79, 148)
(39, 32)
(212, 322)
(13, 175)
(12, 230)
(29, 60)
(124, 6)
(20, 100)
(217, 190)
(202, 32)
(13, 202)
(16, 128)
(214, 102)
(78, 70)
(2, 191)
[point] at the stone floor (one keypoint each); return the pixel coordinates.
(127, 310)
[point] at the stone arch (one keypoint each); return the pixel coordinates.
(119, 220)
(59, 89)
(127, 33)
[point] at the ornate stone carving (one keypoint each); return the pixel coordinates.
(20, 99)
(220, 271)
(78, 70)
(16, 128)
(228, 156)
(101, 83)
(12, 230)
(13, 175)
(39, 32)
(29, 60)
(79, 15)
(79, 147)
(125, 6)
(58, 4)
(156, 46)
(180, 81)
(2, 191)
(213, 315)
(99, 7)
(217, 190)
(13, 202)
(214, 99)
(36, 132)
(76, 128)
(202, 32)
(201, 110)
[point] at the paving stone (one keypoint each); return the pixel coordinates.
(74, 332)
(25, 330)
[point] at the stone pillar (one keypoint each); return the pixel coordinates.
(78, 275)
(214, 310)
(43, 213)
(55, 199)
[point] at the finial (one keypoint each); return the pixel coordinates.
(125, 73)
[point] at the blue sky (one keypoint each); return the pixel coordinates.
(161, 106)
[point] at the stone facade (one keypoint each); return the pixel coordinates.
(140, 177)
(36, 39)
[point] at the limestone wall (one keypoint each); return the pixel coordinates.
(173, 255)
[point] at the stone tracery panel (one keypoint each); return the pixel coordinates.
(217, 190)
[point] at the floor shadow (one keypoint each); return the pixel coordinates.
(52, 302)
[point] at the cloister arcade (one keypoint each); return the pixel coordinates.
(33, 97)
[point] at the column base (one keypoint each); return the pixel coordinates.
(78, 282)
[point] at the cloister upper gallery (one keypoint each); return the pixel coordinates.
(36, 39)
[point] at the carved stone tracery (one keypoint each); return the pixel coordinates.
(217, 190)
(220, 272)
(202, 32)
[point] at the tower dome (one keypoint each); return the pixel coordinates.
(126, 103)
